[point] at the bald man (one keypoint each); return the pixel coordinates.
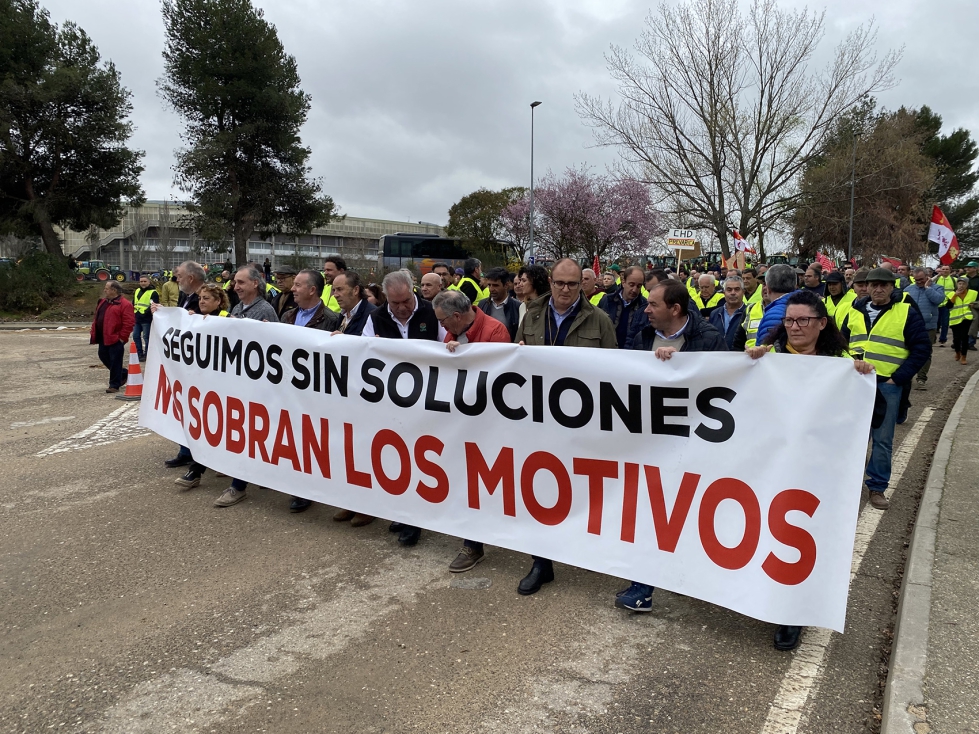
(431, 286)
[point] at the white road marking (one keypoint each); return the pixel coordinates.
(803, 674)
(42, 422)
(120, 425)
(189, 700)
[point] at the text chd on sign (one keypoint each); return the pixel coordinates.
(687, 474)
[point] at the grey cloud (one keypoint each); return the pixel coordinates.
(416, 104)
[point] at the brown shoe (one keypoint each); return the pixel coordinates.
(343, 515)
(958, 357)
(963, 359)
(112, 389)
(879, 501)
(358, 520)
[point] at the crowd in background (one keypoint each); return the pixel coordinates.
(884, 319)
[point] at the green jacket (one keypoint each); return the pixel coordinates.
(591, 327)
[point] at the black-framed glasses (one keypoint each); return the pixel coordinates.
(802, 322)
(565, 285)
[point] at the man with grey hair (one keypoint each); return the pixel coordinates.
(250, 287)
(780, 280)
(728, 318)
(466, 325)
(190, 277)
(406, 316)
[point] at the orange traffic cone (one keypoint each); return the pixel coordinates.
(134, 383)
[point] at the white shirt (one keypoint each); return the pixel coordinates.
(403, 328)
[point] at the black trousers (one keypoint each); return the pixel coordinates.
(111, 357)
(960, 336)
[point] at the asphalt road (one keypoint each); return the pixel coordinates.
(127, 605)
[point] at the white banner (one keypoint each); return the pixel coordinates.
(712, 475)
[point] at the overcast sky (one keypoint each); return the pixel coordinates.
(415, 104)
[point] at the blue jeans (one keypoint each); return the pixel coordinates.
(141, 335)
(879, 466)
(943, 324)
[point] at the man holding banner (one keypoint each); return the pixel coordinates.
(406, 316)
(673, 327)
(562, 318)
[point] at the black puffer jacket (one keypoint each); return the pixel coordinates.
(698, 336)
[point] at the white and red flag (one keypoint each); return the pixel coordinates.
(595, 266)
(741, 244)
(940, 232)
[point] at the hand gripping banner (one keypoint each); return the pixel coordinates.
(718, 477)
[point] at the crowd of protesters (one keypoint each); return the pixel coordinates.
(885, 320)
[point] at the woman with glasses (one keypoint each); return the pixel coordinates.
(805, 329)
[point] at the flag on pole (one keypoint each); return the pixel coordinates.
(940, 232)
(740, 243)
(595, 266)
(828, 265)
(896, 262)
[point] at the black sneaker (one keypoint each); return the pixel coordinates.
(178, 460)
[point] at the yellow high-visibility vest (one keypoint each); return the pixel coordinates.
(959, 310)
(947, 282)
(481, 295)
(711, 302)
(839, 312)
(596, 298)
(751, 323)
(883, 346)
(754, 297)
(328, 300)
(142, 301)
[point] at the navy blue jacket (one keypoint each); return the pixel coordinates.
(698, 336)
(717, 321)
(355, 327)
(636, 319)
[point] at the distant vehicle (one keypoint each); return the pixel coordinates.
(781, 258)
(98, 270)
(396, 251)
(214, 271)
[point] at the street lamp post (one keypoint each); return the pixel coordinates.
(530, 252)
(853, 182)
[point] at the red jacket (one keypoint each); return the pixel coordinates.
(117, 323)
(484, 329)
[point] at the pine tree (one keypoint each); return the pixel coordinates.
(63, 129)
(238, 92)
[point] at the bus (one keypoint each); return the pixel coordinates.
(396, 251)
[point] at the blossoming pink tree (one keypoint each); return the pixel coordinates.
(582, 215)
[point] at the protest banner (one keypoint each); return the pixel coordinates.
(712, 475)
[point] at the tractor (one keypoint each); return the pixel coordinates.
(98, 270)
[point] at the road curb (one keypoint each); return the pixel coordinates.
(904, 690)
(38, 325)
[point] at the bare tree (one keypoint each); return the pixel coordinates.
(140, 224)
(166, 243)
(722, 111)
(196, 245)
